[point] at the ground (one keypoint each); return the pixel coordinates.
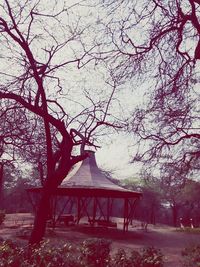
(171, 242)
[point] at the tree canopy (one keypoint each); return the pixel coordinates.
(157, 45)
(42, 53)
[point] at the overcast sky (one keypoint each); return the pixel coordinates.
(116, 151)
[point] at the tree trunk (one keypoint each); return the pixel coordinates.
(44, 211)
(174, 214)
(153, 220)
(1, 187)
(52, 182)
(41, 217)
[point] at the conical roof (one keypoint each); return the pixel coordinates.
(90, 181)
(90, 176)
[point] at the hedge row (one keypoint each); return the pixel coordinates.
(91, 253)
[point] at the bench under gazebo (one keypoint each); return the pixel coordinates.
(89, 194)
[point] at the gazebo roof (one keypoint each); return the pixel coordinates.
(90, 176)
(90, 181)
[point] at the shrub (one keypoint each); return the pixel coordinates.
(135, 258)
(2, 216)
(152, 257)
(191, 256)
(121, 259)
(90, 253)
(95, 252)
(43, 255)
(149, 257)
(10, 254)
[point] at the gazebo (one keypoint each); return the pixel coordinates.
(90, 194)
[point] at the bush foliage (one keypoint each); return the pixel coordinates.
(149, 257)
(90, 253)
(95, 252)
(191, 256)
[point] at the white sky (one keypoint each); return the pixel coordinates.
(116, 158)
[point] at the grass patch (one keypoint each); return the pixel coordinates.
(189, 230)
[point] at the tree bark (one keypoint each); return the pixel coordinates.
(1, 186)
(41, 217)
(174, 214)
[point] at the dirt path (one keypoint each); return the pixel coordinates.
(167, 239)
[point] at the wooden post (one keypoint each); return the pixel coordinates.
(125, 226)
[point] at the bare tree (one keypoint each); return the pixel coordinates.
(13, 139)
(157, 44)
(39, 47)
